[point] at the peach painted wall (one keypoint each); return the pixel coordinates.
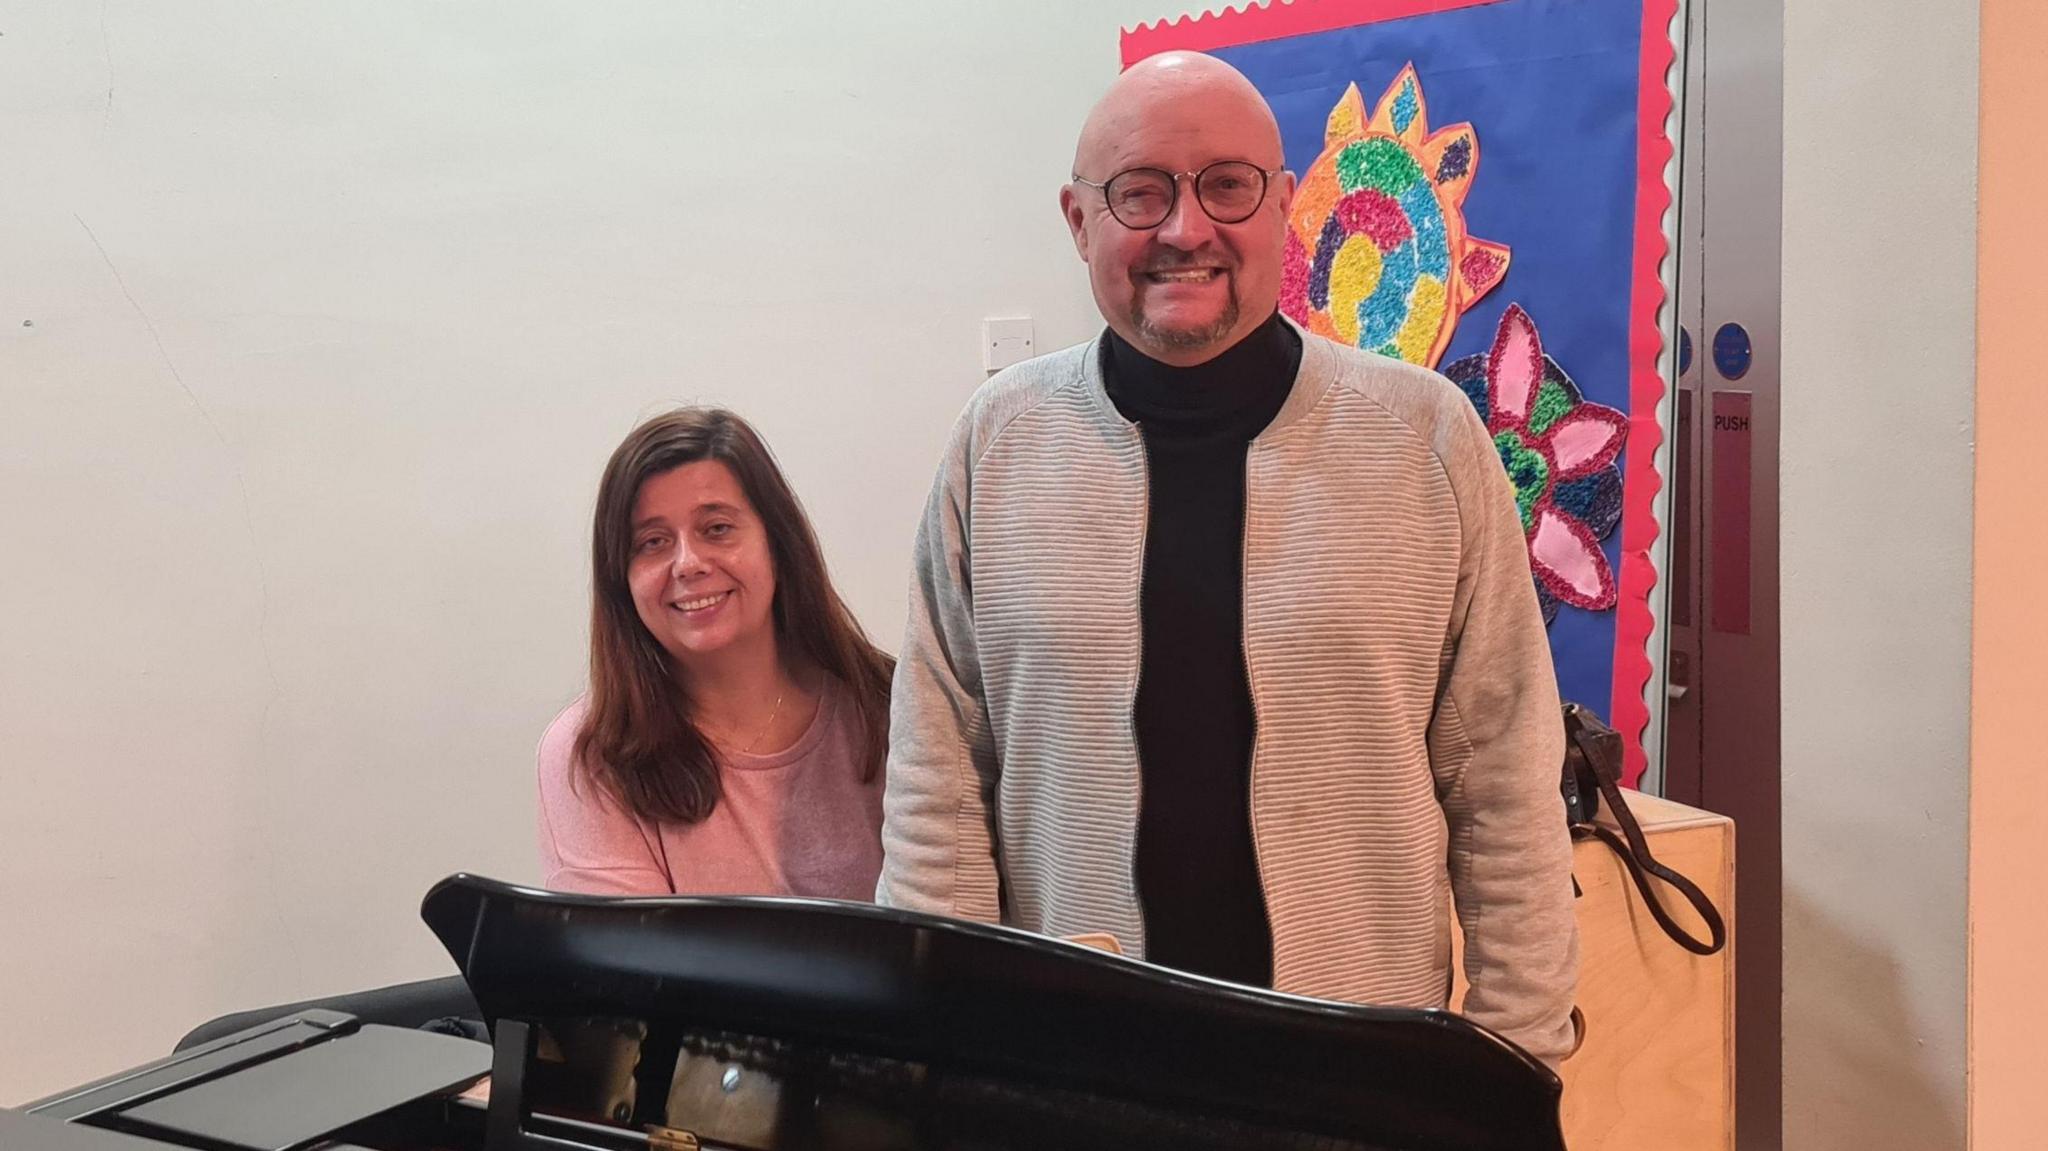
(2009, 675)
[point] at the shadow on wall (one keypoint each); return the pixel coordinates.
(1856, 1050)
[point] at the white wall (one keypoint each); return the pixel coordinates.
(1879, 327)
(316, 325)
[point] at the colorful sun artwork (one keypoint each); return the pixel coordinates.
(1377, 252)
(1559, 449)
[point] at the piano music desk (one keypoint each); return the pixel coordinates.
(1657, 1068)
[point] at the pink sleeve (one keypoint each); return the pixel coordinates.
(588, 843)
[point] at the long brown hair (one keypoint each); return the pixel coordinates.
(638, 739)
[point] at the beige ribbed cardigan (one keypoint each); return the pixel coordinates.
(1408, 741)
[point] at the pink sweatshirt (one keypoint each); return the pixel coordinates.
(799, 822)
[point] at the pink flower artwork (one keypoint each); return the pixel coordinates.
(1560, 451)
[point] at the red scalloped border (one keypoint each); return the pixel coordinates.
(1640, 480)
(1639, 529)
(1277, 20)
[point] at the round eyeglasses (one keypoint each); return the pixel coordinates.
(1228, 190)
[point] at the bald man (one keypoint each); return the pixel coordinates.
(1222, 636)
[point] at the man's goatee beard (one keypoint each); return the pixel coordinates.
(1185, 339)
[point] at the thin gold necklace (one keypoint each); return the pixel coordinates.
(749, 749)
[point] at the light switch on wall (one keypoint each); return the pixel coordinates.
(1006, 342)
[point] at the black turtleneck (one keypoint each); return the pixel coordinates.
(1198, 880)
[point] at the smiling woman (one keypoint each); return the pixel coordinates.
(732, 738)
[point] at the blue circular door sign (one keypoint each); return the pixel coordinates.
(1684, 349)
(1731, 351)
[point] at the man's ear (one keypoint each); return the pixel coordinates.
(1284, 184)
(1077, 219)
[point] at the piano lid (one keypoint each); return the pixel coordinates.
(998, 1005)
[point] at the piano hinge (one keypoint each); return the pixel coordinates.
(670, 1139)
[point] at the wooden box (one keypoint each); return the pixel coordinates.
(1657, 1065)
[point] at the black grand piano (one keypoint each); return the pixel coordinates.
(679, 1024)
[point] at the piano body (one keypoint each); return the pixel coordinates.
(678, 1024)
